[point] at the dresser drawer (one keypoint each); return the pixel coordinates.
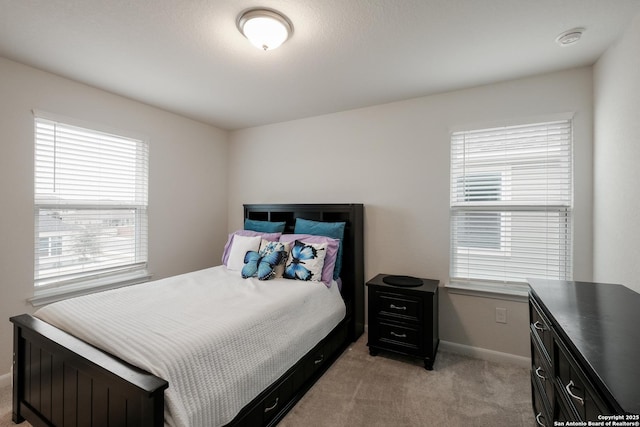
(541, 372)
(403, 307)
(560, 411)
(576, 390)
(541, 329)
(399, 336)
(541, 408)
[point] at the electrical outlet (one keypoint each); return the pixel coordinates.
(501, 315)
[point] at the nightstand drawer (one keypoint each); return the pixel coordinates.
(399, 335)
(398, 306)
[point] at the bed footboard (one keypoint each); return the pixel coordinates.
(60, 380)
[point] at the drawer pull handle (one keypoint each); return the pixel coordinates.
(542, 377)
(319, 361)
(578, 398)
(271, 408)
(537, 325)
(538, 420)
(398, 307)
(398, 335)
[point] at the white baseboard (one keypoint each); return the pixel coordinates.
(478, 353)
(5, 380)
(485, 354)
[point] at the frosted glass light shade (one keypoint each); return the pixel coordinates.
(265, 29)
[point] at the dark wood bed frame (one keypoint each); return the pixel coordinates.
(59, 380)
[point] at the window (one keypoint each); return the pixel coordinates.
(50, 246)
(511, 203)
(90, 206)
(481, 229)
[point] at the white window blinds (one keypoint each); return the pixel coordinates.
(90, 204)
(511, 203)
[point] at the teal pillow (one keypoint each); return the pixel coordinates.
(329, 229)
(264, 226)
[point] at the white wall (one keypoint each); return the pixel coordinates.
(187, 182)
(616, 169)
(394, 158)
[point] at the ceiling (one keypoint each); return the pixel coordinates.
(188, 57)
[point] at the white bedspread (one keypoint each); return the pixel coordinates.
(218, 339)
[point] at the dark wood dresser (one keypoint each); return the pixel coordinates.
(404, 320)
(585, 352)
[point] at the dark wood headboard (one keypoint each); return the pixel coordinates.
(353, 251)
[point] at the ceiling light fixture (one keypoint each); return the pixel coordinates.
(265, 28)
(570, 37)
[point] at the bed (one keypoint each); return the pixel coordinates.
(62, 380)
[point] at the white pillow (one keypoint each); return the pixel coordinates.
(239, 248)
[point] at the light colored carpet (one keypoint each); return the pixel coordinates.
(389, 390)
(5, 408)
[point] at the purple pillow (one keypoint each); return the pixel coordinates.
(330, 257)
(272, 237)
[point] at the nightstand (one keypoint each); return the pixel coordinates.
(404, 319)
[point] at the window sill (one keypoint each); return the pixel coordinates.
(509, 292)
(47, 296)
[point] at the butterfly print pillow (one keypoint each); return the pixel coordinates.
(305, 261)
